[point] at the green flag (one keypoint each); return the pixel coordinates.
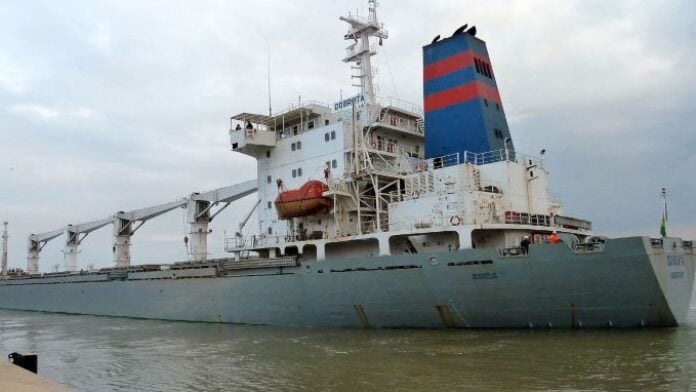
(663, 224)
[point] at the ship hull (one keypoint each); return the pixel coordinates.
(628, 284)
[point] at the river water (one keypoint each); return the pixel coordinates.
(92, 353)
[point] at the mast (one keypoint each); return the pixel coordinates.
(270, 110)
(360, 52)
(663, 222)
(4, 249)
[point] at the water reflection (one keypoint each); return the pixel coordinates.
(114, 354)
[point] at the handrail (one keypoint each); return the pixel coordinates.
(500, 156)
(395, 121)
(402, 104)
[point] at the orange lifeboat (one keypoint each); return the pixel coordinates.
(307, 200)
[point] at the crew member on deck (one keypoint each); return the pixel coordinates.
(525, 244)
(553, 238)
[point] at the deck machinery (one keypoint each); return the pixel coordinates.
(125, 224)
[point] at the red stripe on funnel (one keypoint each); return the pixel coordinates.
(459, 94)
(448, 64)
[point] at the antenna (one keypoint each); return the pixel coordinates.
(270, 110)
(4, 249)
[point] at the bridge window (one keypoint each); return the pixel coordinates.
(268, 179)
(299, 145)
(310, 125)
(269, 205)
(294, 173)
(326, 137)
(299, 172)
(333, 135)
(334, 164)
(270, 230)
(292, 147)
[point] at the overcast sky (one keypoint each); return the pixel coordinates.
(117, 105)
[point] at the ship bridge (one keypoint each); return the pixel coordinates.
(253, 134)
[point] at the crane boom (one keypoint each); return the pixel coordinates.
(228, 193)
(88, 227)
(145, 214)
(45, 237)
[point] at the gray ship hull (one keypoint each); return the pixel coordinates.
(629, 282)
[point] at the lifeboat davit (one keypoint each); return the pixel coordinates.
(304, 201)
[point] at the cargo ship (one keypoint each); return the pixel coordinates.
(377, 213)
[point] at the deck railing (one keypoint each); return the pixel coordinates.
(494, 156)
(401, 104)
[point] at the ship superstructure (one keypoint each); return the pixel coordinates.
(373, 212)
(389, 183)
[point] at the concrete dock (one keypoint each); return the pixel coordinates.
(14, 378)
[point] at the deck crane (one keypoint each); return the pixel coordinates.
(75, 234)
(35, 245)
(199, 211)
(127, 223)
(198, 205)
(199, 215)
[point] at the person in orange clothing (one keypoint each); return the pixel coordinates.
(553, 238)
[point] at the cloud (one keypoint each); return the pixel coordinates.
(100, 39)
(12, 79)
(36, 111)
(47, 113)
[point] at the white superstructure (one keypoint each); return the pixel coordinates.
(386, 197)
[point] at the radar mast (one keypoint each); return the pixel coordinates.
(360, 52)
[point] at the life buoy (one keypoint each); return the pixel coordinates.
(455, 220)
